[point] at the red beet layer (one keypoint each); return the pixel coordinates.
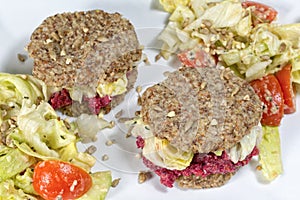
(201, 165)
(62, 98)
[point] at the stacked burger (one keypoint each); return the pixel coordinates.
(87, 59)
(198, 127)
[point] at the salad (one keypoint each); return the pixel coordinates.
(243, 36)
(39, 157)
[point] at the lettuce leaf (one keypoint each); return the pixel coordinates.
(288, 32)
(89, 125)
(270, 153)
(24, 181)
(101, 184)
(9, 192)
(162, 154)
(15, 88)
(223, 14)
(12, 162)
(40, 129)
(114, 88)
(242, 149)
(170, 5)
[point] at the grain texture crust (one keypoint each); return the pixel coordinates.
(198, 182)
(201, 109)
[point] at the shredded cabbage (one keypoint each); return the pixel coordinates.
(101, 184)
(223, 14)
(225, 28)
(170, 5)
(15, 88)
(139, 128)
(114, 88)
(41, 129)
(32, 131)
(242, 149)
(162, 154)
(24, 181)
(9, 191)
(159, 151)
(89, 126)
(12, 162)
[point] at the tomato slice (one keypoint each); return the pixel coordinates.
(54, 179)
(285, 81)
(261, 12)
(196, 58)
(269, 91)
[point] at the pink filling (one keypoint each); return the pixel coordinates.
(62, 98)
(201, 165)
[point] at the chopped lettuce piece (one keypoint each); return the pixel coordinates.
(257, 70)
(84, 160)
(77, 92)
(242, 149)
(9, 192)
(139, 128)
(296, 70)
(24, 181)
(159, 151)
(162, 154)
(12, 162)
(25, 148)
(101, 184)
(243, 28)
(231, 58)
(89, 125)
(223, 14)
(15, 88)
(183, 15)
(70, 154)
(112, 89)
(270, 153)
(288, 32)
(226, 29)
(41, 129)
(170, 5)
(34, 131)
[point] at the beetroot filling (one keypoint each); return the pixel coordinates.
(201, 165)
(97, 102)
(62, 98)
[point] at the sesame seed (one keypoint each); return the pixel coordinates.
(171, 114)
(105, 157)
(115, 182)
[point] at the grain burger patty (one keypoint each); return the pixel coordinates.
(85, 58)
(198, 126)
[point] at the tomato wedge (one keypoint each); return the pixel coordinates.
(261, 12)
(285, 81)
(269, 91)
(54, 179)
(196, 58)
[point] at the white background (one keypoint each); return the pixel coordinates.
(19, 18)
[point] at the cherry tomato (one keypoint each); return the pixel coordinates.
(53, 179)
(269, 91)
(261, 12)
(285, 81)
(196, 58)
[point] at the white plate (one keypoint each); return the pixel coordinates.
(19, 18)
